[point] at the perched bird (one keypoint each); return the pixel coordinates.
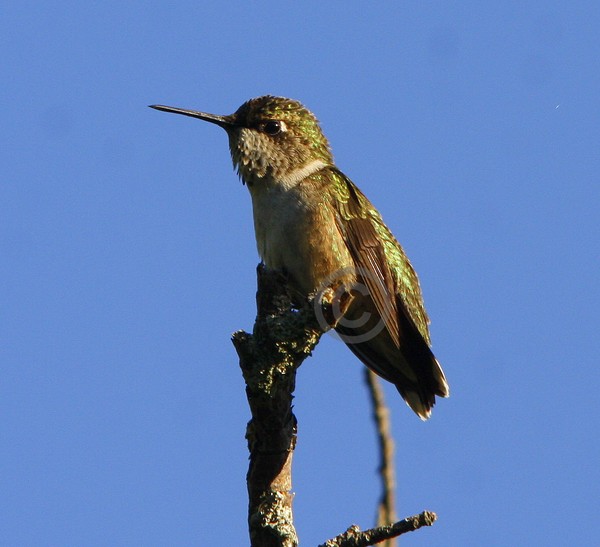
(314, 224)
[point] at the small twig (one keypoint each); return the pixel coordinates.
(353, 537)
(386, 512)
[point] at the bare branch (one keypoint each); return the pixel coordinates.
(386, 512)
(282, 338)
(353, 537)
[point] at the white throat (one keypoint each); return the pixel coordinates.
(293, 178)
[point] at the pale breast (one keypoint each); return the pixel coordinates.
(298, 234)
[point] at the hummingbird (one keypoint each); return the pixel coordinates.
(313, 224)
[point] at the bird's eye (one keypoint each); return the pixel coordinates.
(272, 127)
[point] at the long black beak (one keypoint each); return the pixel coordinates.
(224, 121)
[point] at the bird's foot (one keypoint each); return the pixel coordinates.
(333, 303)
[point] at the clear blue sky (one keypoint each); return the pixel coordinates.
(128, 258)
